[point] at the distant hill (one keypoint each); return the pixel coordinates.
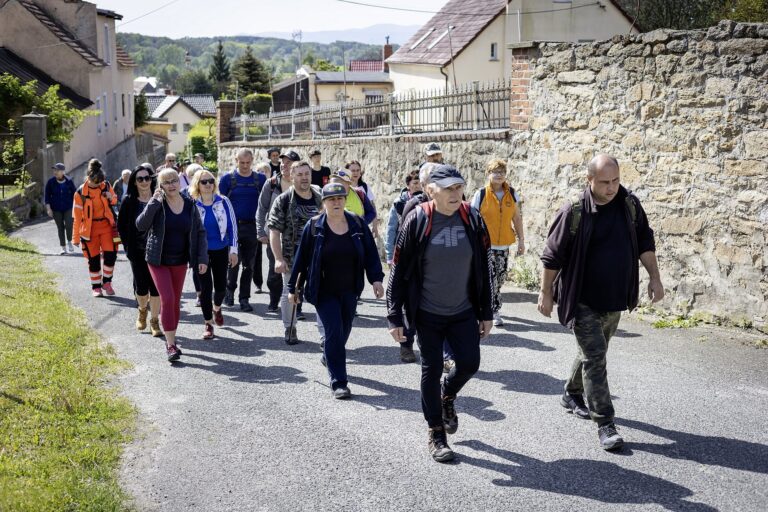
(374, 34)
(166, 58)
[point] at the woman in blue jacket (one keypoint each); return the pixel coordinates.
(218, 217)
(59, 192)
(335, 250)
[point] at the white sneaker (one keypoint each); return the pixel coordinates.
(497, 320)
(63, 249)
(70, 248)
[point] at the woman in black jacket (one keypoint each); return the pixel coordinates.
(175, 239)
(442, 279)
(141, 186)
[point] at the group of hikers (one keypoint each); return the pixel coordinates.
(447, 259)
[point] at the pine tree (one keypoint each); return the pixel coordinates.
(141, 111)
(219, 71)
(250, 74)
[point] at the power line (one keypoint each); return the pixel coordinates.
(404, 9)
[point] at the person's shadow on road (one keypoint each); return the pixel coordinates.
(710, 450)
(596, 480)
(524, 382)
(245, 372)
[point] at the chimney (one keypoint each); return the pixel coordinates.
(386, 52)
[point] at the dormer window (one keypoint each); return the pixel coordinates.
(440, 37)
(422, 38)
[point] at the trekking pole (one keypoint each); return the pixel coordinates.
(294, 307)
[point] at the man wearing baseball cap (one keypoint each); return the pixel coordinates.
(320, 173)
(59, 192)
(434, 153)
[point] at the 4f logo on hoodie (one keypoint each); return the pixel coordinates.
(449, 236)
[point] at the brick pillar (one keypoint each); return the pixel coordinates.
(225, 111)
(520, 108)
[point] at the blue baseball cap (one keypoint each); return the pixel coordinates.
(59, 167)
(334, 190)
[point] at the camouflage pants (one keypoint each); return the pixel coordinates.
(593, 330)
(499, 260)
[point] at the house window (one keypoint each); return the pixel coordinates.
(494, 51)
(114, 103)
(98, 121)
(440, 37)
(107, 49)
(174, 128)
(106, 112)
(122, 97)
(187, 127)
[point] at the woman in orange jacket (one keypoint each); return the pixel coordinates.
(94, 228)
(499, 206)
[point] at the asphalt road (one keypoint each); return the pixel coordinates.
(245, 422)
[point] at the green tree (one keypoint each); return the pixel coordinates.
(193, 81)
(250, 74)
(743, 10)
(218, 73)
(168, 75)
(324, 65)
(141, 110)
(172, 54)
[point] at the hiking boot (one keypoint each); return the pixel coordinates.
(609, 437)
(141, 320)
(173, 353)
(448, 364)
(208, 332)
(259, 290)
(342, 393)
(107, 287)
(438, 445)
(407, 354)
(575, 404)
(218, 318)
(497, 320)
(154, 325)
(96, 292)
(229, 298)
(291, 337)
(245, 306)
(450, 419)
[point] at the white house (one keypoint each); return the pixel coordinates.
(182, 113)
(469, 40)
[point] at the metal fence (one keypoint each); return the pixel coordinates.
(474, 106)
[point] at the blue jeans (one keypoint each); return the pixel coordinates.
(336, 313)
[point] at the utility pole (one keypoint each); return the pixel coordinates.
(296, 36)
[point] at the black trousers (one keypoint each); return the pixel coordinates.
(142, 280)
(274, 280)
(462, 333)
(246, 248)
(258, 276)
(213, 283)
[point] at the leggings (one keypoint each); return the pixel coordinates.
(142, 280)
(169, 280)
(214, 282)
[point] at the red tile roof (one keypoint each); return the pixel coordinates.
(366, 65)
(123, 58)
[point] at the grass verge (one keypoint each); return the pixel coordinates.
(62, 425)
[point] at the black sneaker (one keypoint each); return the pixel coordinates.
(438, 445)
(609, 437)
(575, 404)
(342, 393)
(273, 309)
(229, 298)
(291, 337)
(245, 306)
(407, 355)
(173, 353)
(450, 418)
(300, 316)
(259, 290)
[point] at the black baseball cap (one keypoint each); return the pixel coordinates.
(291, 155)
(446, 175)
(273, 149)
(314, 152)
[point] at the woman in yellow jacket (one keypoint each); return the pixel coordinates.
(499, 206)
(94, 228)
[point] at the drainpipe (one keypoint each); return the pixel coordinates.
(446, 79)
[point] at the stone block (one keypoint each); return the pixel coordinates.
(719, 86)
(666, 64)
(747, 46)
(706, 46)
(582, 92)
(746, 168)
(756, 144)
(570, 158)
(695, 79)
(652, 110)
(541, 123)
(701, 102)
(722, 30)
(677, 46)
(681, 225)
(661, 35)
(576, 77)
(633, 140)
(634, 63)
(748, 86)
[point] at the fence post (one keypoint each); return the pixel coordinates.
(391, 114)
(341, 119)
(293, 124)
(245, 126)
(312, 121)
(476, 102)
(269, 125)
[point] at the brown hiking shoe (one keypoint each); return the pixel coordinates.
(154, 324)
(141, 320)
(438, 445)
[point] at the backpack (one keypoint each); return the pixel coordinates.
(233, 182)
(511, 191)
(465, 211)
(576, 209)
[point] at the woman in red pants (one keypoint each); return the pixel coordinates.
(175, 239)
(94, 227)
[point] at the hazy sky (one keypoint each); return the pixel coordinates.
(232, 17)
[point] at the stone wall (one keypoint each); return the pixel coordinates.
(685, 114)
(27, 204)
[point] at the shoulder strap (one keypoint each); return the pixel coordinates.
(482, 195)
(632, 207)
(232, 183)
(575, 215)
(426, 226)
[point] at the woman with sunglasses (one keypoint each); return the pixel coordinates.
(94, 226)
(141, 186)
(218, 218)
(175, 239)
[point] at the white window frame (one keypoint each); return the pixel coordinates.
(98, 119)
(175, 128)
(494, 51)
(107, 46)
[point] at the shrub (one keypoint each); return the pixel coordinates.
(257, 103)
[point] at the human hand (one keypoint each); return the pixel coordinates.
(378, 289)
(49, 211)
(108, 194)
(263, 239)
(233, 260)
(397, 334)
(202, 268)
(546, 303)
(293, 298)
(520, 247)
(158, 195)
(655, 290)
(281, 267)
(485, 327)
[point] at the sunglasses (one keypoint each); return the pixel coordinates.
(142, 179)
(208, 181)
